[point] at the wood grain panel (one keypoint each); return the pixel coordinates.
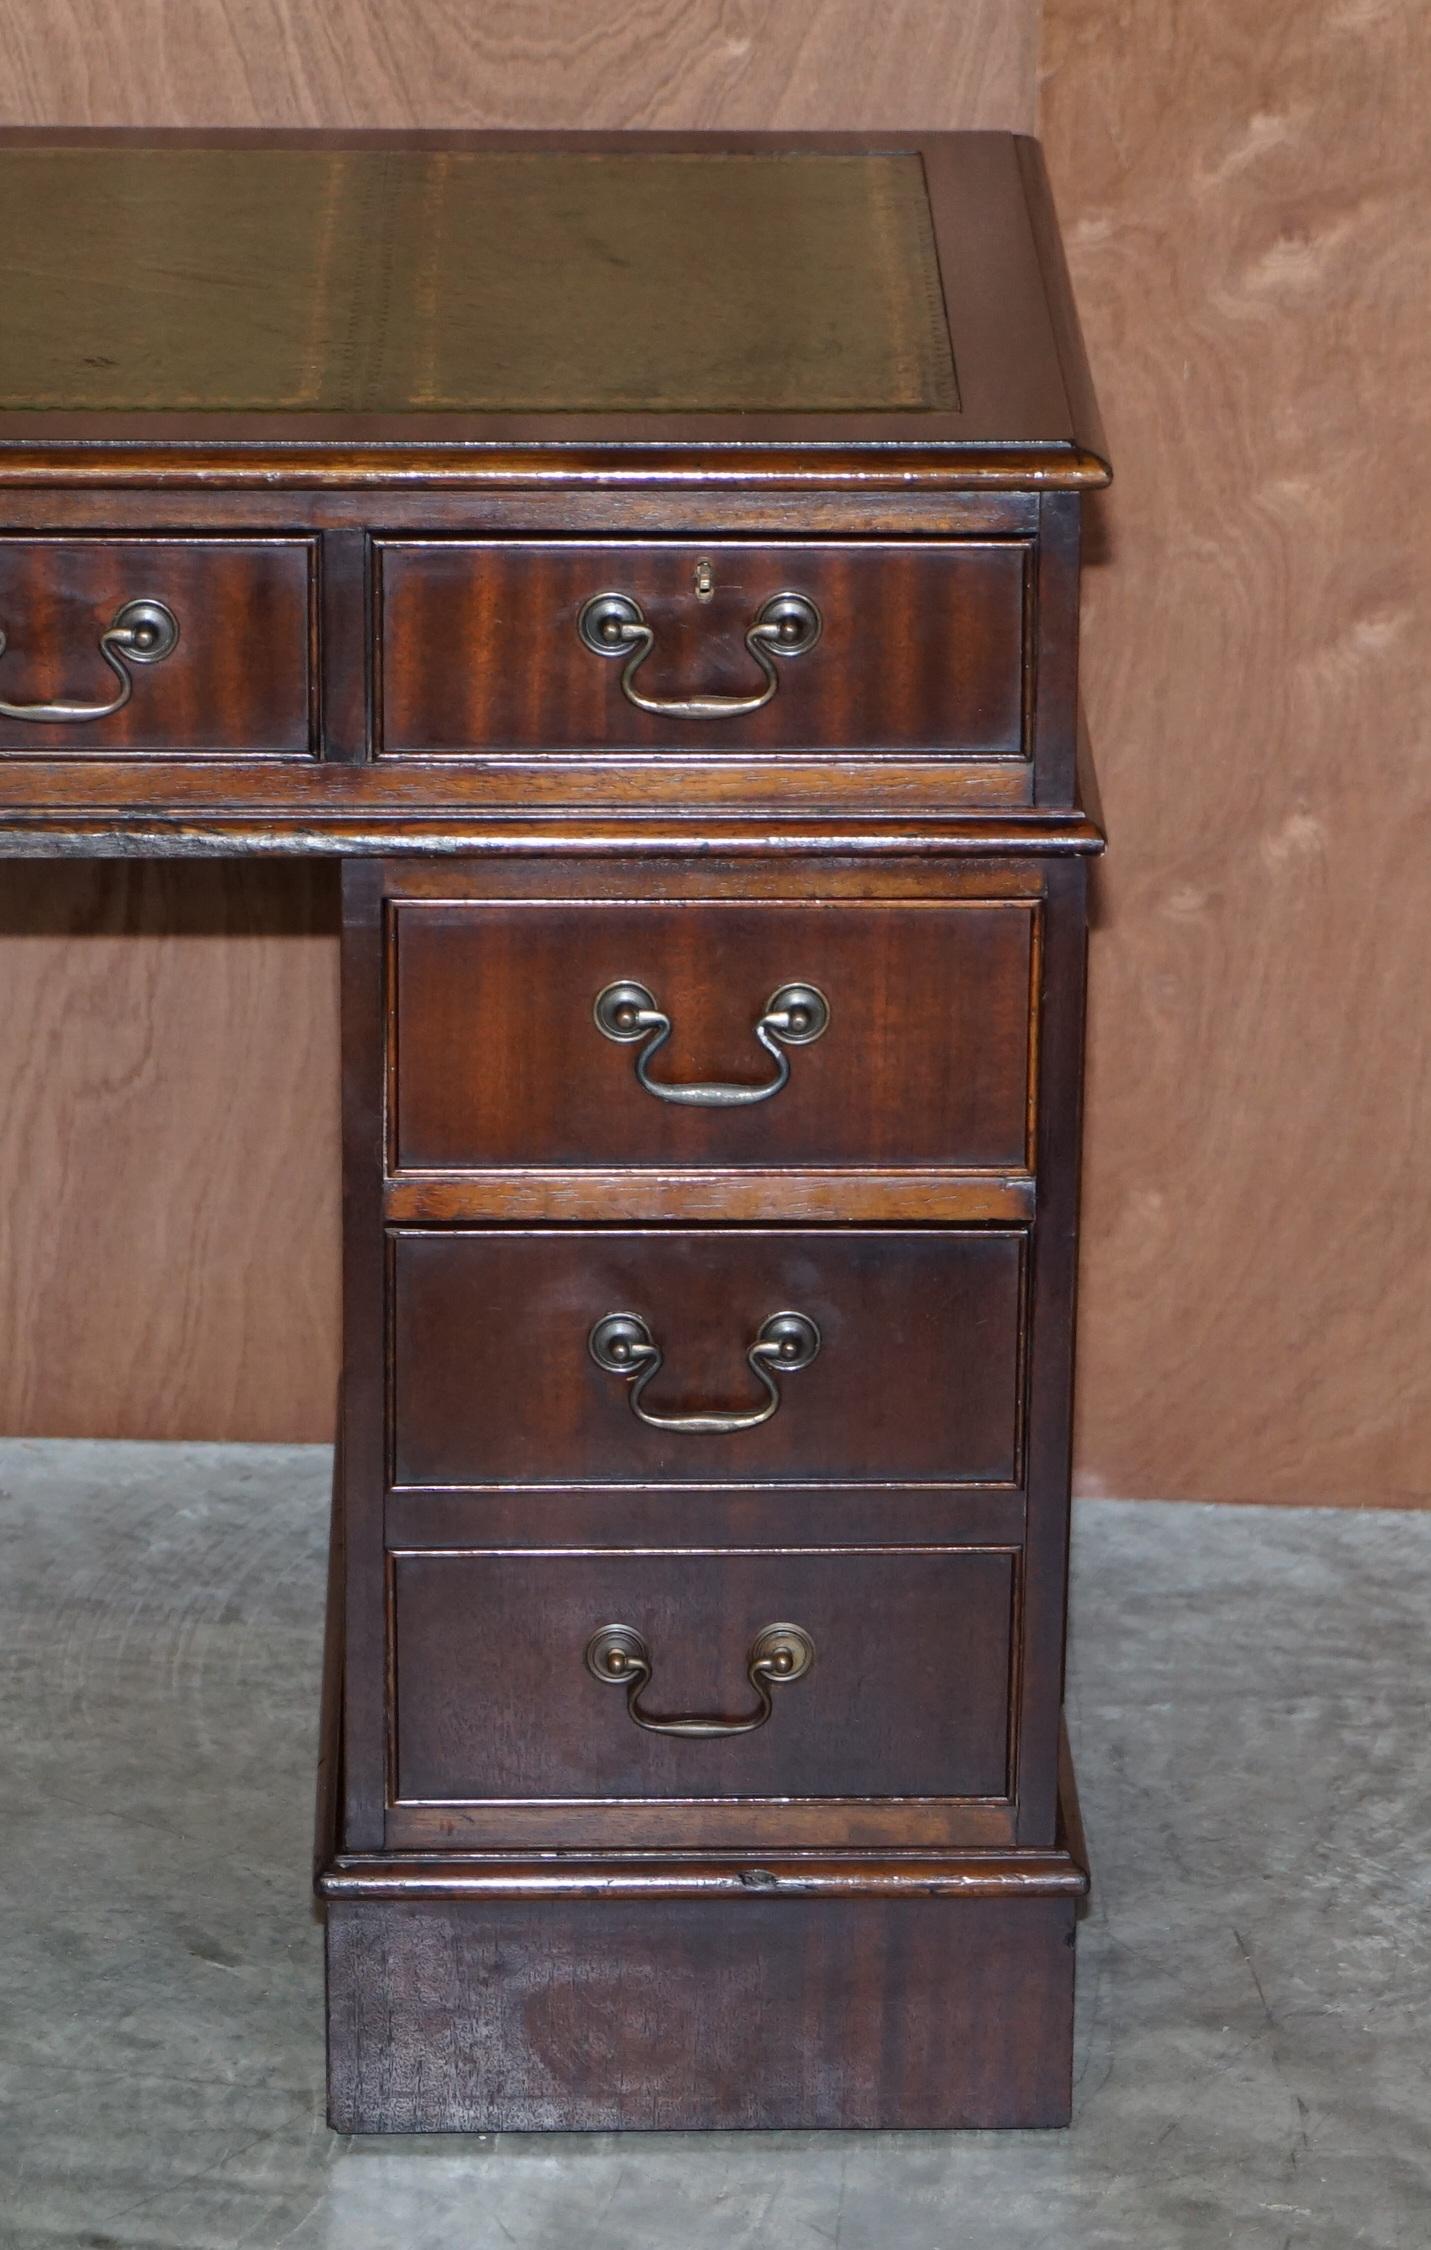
(233, 600)
(1246, 194)
(916, 1378)
(169, 1144)
(674, 63)
(497, 2016)
(179, 1065)
(924, 1713)
(925, 1059)
(922, 647)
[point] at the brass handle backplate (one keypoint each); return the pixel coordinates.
(619, 1656)
(622, 1344)
(615, 625)
(795, 1016)
(143, 632)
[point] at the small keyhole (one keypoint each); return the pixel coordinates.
(704, 580)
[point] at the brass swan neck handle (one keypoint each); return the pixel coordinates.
(621, 1343)
(619, 1656)
(615, 625)
(142, 632)
(795, 1015)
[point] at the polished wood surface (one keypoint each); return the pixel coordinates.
(239, 680)
(916, 1379)
(858, 1825)
(495, 2017)
(922, 647)
(966, 695)
(352, 796)
(752, 1193)
(908, 1693)
(454, 1348)
(779, 1513)
(175, 409)
(496, 1059)
(969, 864)
(1259, 1226)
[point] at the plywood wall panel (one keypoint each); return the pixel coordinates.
(169, 1148)
(553, 63)
(168, 1038)
(1246, 194)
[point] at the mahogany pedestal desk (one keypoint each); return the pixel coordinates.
(652, 563)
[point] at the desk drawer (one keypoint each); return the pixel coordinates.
(503, 1375)
(499, 1056)
(123, 647)
(904, 646)
(907, 1692)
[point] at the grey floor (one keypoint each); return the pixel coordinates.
(1249, 1710)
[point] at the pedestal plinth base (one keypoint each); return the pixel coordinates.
(669, 1995)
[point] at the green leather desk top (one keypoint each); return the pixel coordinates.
(400, 280)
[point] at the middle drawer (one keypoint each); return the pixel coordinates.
(711, 1032)
(569, 1356)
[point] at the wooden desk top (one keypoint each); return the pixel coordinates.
(324, 457)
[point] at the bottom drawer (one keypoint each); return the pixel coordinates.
(907, 1691)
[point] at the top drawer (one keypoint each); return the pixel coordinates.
(119, 646)
(906, 647)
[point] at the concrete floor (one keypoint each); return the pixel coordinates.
(1249, 1710)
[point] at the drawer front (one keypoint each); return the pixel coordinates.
(120, 647)
(907, 1691)
(921, 647)
(498, 1058)
(915, 1376)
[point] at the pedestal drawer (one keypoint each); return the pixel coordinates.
(814, 1354)
(502, 1685)
(519, 1036)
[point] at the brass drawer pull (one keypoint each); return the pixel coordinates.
(619, 1656)
(795, 1016)
(622, 1344)
(143, 632)
(615, 625)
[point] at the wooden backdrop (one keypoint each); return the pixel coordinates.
(1247, 194)
(1244, 190)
